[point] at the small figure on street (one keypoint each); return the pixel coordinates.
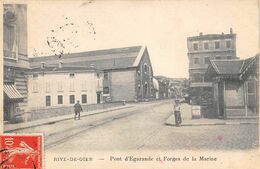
(77, 109)
(177, 113)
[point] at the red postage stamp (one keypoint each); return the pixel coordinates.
(21, 151)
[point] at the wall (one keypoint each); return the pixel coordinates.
(15, 43)
(21, 86)
(143, 78)
(234, 94)
(19, 36)
(64, 110)
(61, 84)
(123, 85)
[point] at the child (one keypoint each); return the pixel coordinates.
(177, 113)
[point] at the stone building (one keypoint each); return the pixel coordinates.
(127, 72)
(15, 61)
(202, 49)
(235, 87)
(164, 87)
(56, 86)
(54, 89)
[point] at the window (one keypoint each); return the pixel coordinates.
(228, 44)
(218, 57)
(145, 68)
(60, 99)
(71, 85)
(138, 73)
(139, 89)
(229, 57)
(72, 75)
(72, 99)
(98, 75)
(48, 100)
(84, 98)
(196, 77)
(48, 87)
(206, 45)
(59, 86)
(106, 90)
(196, 60)
(105, 75)
(206, 60)
(35, 87)
(251, 93)
(84, 86)
(35, 76)
(10, 42)
(217, 45)
(195, 46)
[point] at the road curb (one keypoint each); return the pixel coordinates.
(214, 124)
(66, 118)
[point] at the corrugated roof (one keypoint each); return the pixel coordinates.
(231, 67)
(227, 66)
(101, 59)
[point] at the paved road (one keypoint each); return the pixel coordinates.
(144, 129)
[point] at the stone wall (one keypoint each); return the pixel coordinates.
(58, 111)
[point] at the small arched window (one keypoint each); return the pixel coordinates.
(145, 68)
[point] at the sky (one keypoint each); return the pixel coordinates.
(163, 26)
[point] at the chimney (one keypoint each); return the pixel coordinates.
(60, 64)
(231, 31)
(201, 33)
(42, 65)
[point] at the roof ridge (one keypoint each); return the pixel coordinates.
(99, 50)
(242, 66)
(214, 65)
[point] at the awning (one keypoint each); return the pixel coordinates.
(12, 93)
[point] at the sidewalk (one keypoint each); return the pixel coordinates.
(188, 121)
(210, 122)
(24, 125)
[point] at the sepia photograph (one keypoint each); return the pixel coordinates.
(128, 76)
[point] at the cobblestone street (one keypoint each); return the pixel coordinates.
(221, 137)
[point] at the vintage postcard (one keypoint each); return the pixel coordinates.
(129, 84)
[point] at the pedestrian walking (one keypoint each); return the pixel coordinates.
(77, 109)
(177, 113)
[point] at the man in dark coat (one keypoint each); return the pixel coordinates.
(77, 109)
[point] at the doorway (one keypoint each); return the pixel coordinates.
(221, 99)
(98, 97)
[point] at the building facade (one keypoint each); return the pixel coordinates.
(164, 87)
(127, 72)
(235, 87)
(202, 49)
(63, 86)
(15, 61)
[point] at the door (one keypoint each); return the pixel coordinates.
(98, 97)
(221, 99)
(7, 108)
